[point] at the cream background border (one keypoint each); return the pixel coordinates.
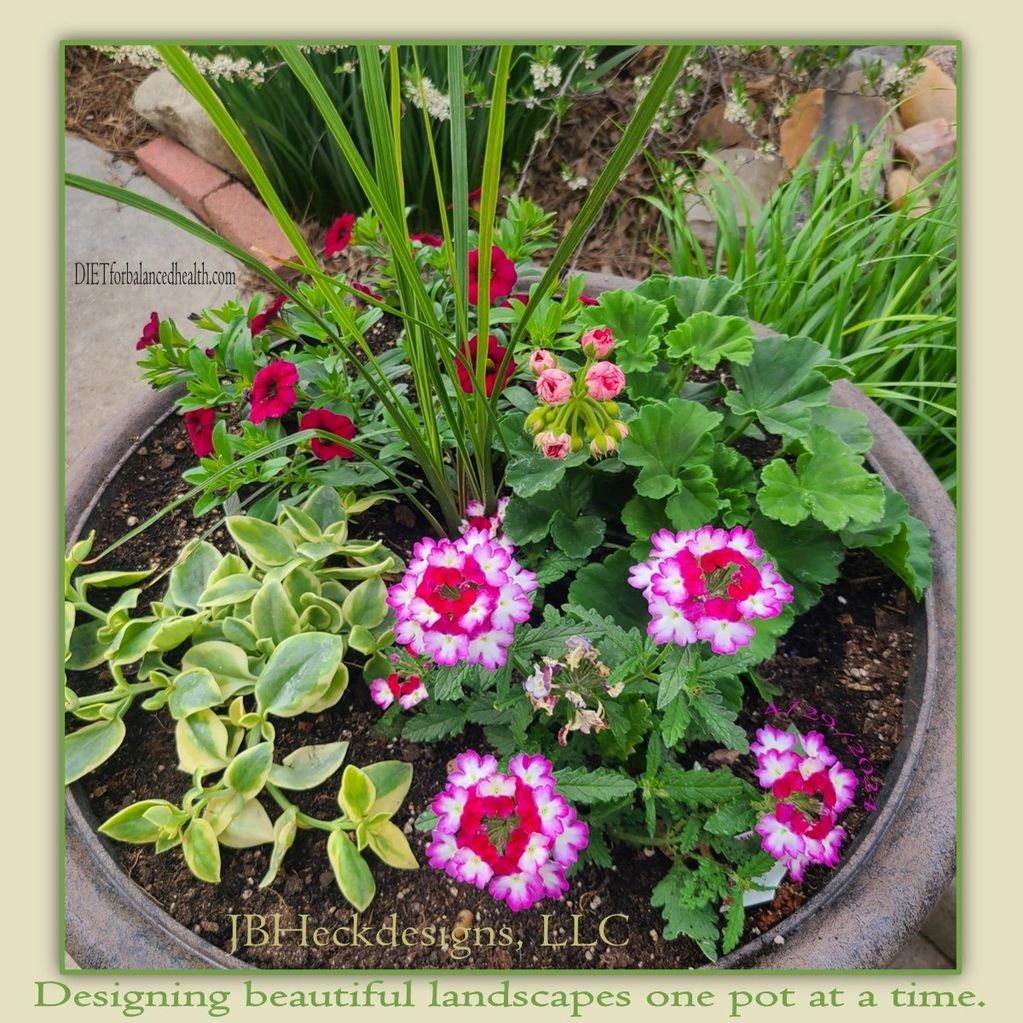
(990, 482)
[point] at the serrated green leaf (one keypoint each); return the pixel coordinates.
(909, 555)
(709, 712)
(706, 339)
(435, 723)
(849, 423)
(675, 720)
(782, 385)
(828, 483)
(665, 438)
(527, 521)
(577, 535)
(700, 788)
(604, 588)
(634, 321)
(735, 922)
(600, 785)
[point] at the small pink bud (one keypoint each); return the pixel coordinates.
(597, 342)
(554, 387)
(554, 445)
(620, 428)
(604, 381)
(541, 359)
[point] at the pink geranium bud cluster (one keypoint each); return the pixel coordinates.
(706, 584)
(509, 833)
(460, 600)
(811, 789)
(577, 407)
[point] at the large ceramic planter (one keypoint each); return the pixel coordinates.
(891, 876)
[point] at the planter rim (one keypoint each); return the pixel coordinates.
(889, 878)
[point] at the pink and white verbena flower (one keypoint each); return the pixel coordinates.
(810, 789)
(705, 584)
(408, 693)
(509, 833)
(460, 600)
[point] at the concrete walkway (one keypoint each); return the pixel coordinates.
(103, 321)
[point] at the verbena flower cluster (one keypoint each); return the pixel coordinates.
(811, 789)
(460, 600)
(509, 833)
(704, 584)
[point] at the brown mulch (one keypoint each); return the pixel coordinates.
(98, 101)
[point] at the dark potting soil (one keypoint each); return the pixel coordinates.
(848, 659)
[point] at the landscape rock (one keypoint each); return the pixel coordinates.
(754, 177)
(798, 129)
(945, 57)
(900, 183)
(170, 108)
(712, 127)
(828, 115)
(930, 95)
(927, 146)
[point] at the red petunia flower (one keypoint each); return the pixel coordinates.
(200, 422)
(324, 419)
(507, 303)
(362, 289)
(150, 333)
(272, 312)
(273, 391)
(502, 275)
(339, 234)
(495, 355)
(586, 300)
(427, 239)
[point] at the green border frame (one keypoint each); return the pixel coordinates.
(368, 974)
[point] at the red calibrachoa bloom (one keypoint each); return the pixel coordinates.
(272, 312)
(362, 289)
(324, 419)
(427, 239)
(150, 333)
(200, 422)
(273, 390)
(503, 275)
(495, 356)
(339, 234)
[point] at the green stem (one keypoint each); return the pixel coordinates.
(303, 819)
(739, 430)
(118, 694)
